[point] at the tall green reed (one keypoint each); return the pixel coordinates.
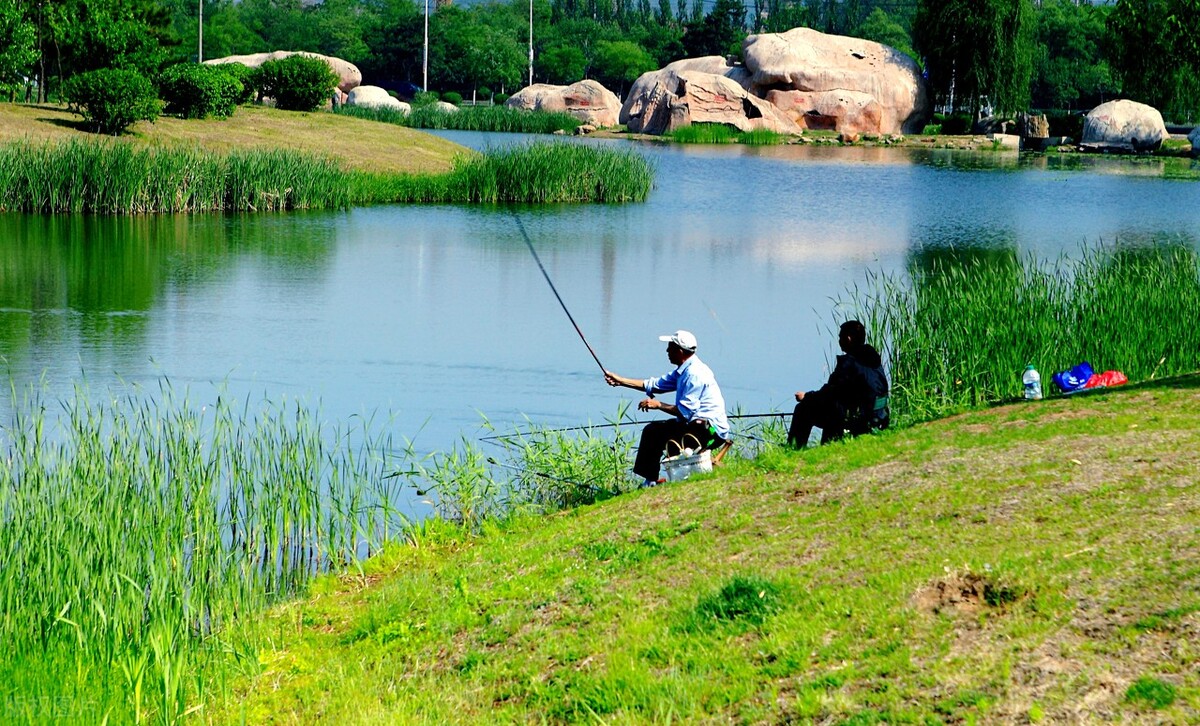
(114, 177)
(548, 173)
(469, 118)
(706, 133)
(959, 326)
(140, 537)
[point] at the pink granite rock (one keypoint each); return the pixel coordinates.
(586, 100)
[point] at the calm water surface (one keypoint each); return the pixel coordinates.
(438, 316)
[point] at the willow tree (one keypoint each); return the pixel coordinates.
(977, 52)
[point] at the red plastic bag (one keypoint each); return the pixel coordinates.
(1107, 378)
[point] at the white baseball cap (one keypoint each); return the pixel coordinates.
(682, 338)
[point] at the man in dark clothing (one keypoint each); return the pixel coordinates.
(854, 399)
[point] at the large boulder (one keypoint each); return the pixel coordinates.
(863, 86)
(851, 112)
(348, 73)
(661, 101)
(375, 97)
(586, 100)
(1194, 137)
(1123, 125)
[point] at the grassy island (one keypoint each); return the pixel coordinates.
(267, 160)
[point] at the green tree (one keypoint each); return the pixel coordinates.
(1154, 49)
(1069, 68)
(18, 46)
(618, 63)
(562, 65)
(977, 51)
(881, 28)
(718, 33)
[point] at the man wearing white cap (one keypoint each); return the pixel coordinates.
(699, 408)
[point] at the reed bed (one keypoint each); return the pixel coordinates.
(113, 177)
(959, 327)
(723, 134)
(140, 538)
(547, 173)
(470, 118)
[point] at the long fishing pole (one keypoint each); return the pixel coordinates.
(538, 260)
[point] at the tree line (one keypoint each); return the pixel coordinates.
(1009, 55)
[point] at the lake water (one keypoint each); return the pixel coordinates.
(438, 315)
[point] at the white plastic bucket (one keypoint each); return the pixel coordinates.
(680, 467)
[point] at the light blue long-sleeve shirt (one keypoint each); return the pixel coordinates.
(697, 394)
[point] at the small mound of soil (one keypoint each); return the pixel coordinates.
(963, 592)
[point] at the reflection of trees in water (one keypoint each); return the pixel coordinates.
(94, 278)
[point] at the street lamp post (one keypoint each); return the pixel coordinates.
(531, 42)
(425, 62)
(200, 36)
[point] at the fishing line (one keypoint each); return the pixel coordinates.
(538, 260)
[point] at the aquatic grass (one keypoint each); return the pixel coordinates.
(469, 118)
(706, 133)
(537, 174)
(113, 177)
(959, 327)
(140, 538)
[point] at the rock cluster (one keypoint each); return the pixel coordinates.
(699, 90)
(831, 81)
(348, 74)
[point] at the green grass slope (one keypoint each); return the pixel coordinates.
(357, 143)
(1028, 563)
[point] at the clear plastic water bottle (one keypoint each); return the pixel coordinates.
(1033, 383)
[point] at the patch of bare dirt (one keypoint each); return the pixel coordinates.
(963, 593)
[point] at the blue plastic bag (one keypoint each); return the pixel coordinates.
(1074, 379)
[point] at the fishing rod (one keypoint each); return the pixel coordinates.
(631, 422)
(538, 260)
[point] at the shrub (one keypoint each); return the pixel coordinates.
(956, 124)
(500, 98)
(1066, 124)
(425, 98)
(245, 75)
(452, 97)
(483, 92)
(193, 90)
(297, 83)
(110, 100)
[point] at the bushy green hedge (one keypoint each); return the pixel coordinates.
(453, 97)
(245, 75)
(110, 100)
(193, 90)
(297, 83)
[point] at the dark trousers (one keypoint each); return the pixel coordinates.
(654, 441)
(820, 411)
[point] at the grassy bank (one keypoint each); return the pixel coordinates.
(356, 143)
(959, 326)
(1030, 563)
(116, 177)
(470, 118)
